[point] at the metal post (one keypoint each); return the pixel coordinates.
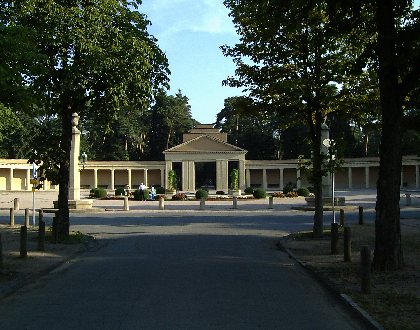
(270, 202)
(334, 238)
(341, 218)
(235, 202)
(27, 217)
(161, 203)
(202, 204)
(347, 244)
(360, 215)
(407, 199)
(23, 241)
(41, 235)
(333, 197)
(126, 206)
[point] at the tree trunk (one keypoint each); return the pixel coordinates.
(388, 252)
(318, 228)
(63, 218)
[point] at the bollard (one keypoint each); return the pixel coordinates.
(1, 254)
(16, 204)
(12, 217)
(126, 206)
(360, 215)
(27, 217)
(202, 204)
(407, 199)
(366, 265)
(347, 244)
(235, 202)
(341, 218)
(23, 241)
(270, 202)
(55, 229)
(41, 235)
(334, 238)
(161, 203)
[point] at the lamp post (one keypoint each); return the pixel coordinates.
(330, 144)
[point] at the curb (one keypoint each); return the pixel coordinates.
(344, 299)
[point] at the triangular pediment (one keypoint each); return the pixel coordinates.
(205, 144)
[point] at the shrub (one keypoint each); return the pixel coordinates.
(288, 188)
(136, 194)
(249, 190)
(260, 193)
(179, 197)
(278, 194)
(160, 190)
(119, 192)
(98, 193)
(201, 193)
(220, 192)
(303, 192)
(292, 194)
(311, 189)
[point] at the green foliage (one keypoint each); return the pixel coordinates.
(278, 194)
(201, 193)
(172, 180)
(137, 194)
(303, 192)
(119, 192)
(160, 190)
(98, 193)
(249, 190)
(234, 177)
(288, 188)
(260, 193)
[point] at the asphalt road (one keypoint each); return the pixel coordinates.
(179, 272)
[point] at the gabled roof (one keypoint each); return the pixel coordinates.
(205, 144)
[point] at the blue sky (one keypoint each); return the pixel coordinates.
(190, 32)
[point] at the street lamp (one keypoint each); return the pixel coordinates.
(329, 143)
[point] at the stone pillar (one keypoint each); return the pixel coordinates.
(162, 177)
(145, 177)
(74, 184)
(188, 175)
(350, 176)
(95, 178)
(242, 183)
(112, 179)
(222, 182)
(129, 177)
(281, 178)
(298, 179)
(367, 178)
(326, 180)
(264, 178)
(417, 177)
(9, 183)
(168, 167)
(28, 185)
(248, 178)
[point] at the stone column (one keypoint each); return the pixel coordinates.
(188, 175)
(367, 178)
(298, 180)
(112, 179)
(145, 177)
(281, 178)
(326, 180)
(248, 177)
(222, 182)
(74, 184)
(242, 183)
(264, 178)
(9, 183)
(350, 176)
(168, 167)
(95, 178)
(129, 177)
(162, 177)
(28, 185)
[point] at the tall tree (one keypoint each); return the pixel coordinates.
(170, 117)
(398, 52)
(98, 58)
(291, 59)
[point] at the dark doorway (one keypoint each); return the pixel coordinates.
(205, 175)
(177, 167)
